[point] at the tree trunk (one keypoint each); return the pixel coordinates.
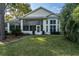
(2, 24)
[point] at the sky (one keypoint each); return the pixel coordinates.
(54, 7)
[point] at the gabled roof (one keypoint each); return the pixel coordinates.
(38, 13)
(38, 9)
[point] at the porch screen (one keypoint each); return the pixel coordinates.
(26, 28)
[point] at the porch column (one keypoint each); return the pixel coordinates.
(59, 26)
(56, 25)
(48, 26)
(8, 27)
(21, 25)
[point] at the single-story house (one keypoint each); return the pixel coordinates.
(39, 21)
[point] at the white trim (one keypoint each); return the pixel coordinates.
(27, 32)
(21, 25)
(56, 25)
(48, 27)
(44, 25)
(8, 27)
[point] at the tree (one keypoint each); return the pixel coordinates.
(16, 10)
(75, 14)
(68, 27)
(75, 27)
(66, 14)
(2, 28)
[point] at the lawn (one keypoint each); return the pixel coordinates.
(44, 45)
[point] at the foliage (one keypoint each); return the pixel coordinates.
(16, 31)
(69, 26)
(16, 10)
(75, 14)
(66, 14)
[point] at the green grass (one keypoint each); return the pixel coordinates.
(44, 45)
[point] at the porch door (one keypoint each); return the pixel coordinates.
(38, 28)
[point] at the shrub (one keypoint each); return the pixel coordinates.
(16, 31)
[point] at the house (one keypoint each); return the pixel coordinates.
(39, 21)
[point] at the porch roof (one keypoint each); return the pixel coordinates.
(14, 21)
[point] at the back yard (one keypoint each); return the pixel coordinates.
(34, 45)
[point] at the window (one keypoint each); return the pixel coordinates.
(52, 21)
(46, 28)
(26, 28)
